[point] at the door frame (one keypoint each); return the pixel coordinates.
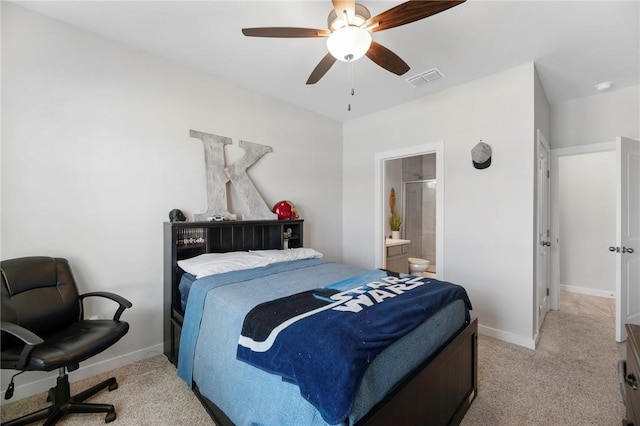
(627, 158)
(543, 219)
(554, 302)
(381, 205)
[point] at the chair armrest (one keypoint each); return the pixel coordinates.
(29, 338)
(124, 303)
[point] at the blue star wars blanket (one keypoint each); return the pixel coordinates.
(324, 339)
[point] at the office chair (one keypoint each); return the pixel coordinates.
(43, 329)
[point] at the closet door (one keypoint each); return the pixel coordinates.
(627, 250)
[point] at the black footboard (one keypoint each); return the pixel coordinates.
(439, 393)
(441, 390)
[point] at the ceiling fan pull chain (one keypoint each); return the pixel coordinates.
(350, 80)
(353, 92)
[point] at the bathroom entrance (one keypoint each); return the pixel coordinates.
(415, 175)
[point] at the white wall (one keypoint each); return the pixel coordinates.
(542, 108)
(488, 214)
(596, 119)
(587, 193)
(96, 152)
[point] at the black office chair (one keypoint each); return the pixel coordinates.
(43, 329)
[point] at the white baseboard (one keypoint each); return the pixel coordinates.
(588, 291)
(42, 385)
(48, 380)
(507, 337)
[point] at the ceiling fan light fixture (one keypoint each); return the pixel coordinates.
(349, 43)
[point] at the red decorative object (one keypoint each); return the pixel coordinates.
(285, 210)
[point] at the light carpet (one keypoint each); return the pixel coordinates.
(570, 379)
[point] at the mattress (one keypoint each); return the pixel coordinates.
(215, 311)
(186, 281)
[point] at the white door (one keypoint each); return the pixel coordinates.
(627, 250)
(544, 234)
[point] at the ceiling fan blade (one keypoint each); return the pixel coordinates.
(321, 69)
(387, 59)
(408, 12)
(285, 32)
(341, 5)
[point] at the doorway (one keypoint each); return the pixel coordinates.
(556, 155)
(585, 240)
(587, 196)
(385, 165)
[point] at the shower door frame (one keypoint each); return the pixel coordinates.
(405, 216)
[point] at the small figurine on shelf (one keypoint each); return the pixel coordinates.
(176, 215)
(287, 233)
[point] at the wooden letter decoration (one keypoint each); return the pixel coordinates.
(217, 175)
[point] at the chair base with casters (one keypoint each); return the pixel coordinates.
(43, 329)
(64, 403)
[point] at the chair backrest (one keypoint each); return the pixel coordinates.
(39, 294)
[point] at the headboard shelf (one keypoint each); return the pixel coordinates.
(183, 240)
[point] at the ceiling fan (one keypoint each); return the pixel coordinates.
(349, 32)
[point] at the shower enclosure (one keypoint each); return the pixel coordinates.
(419, 212)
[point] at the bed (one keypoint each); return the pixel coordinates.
(432, 384)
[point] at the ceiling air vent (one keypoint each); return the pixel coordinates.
(426, 77)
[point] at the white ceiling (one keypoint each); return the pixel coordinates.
(575, 45)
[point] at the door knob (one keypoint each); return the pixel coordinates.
(622, 250)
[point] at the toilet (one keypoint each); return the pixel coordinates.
(418, 266)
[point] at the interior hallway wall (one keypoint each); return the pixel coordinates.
(596, 119)
(587, 190)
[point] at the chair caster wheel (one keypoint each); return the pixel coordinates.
(110, 417)
(113, 387)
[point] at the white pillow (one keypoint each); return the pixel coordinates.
(288, 254)
(218, 263)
